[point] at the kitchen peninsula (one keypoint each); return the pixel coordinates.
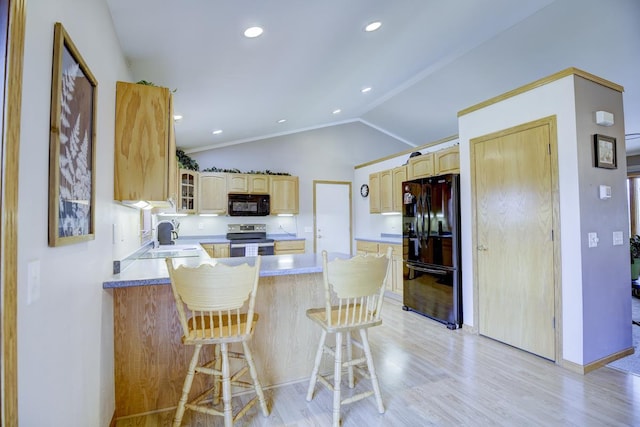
(150, 360)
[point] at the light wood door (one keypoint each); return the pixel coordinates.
(514, 226)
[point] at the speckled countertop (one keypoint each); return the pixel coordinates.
(393, 239)
(223, 239)
(143, 272)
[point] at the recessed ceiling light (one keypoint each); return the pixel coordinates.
(373, 26)
(177, 117)
(253, 32)
(282, 120)
(366, 89)
(217, 131)
(337, 111)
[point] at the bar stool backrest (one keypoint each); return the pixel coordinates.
(210, 297)
(358, 285)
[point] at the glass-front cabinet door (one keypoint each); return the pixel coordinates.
(188, 181)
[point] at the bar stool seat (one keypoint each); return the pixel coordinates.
(215, 305)
(354, 292)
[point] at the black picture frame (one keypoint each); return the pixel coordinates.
(604, 152)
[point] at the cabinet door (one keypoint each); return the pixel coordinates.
(258, 184)
(448, 160)
(187, 202)
(399, 176)
(289, 247)
(395, 284)
(421, 166)
(212, 193)
(363, 247)
(208, 247)
(144, 158)
(374, 192)
(221, 250)
(237, 183)
(386, 191)
(284, 195)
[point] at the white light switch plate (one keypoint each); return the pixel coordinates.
(593, 240)
(617, 238)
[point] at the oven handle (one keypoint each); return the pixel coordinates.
(244, 245)
(427, 270)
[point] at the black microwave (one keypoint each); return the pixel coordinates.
(248, 204)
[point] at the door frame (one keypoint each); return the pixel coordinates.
(10, 151)
(315, 218)
(550, 121)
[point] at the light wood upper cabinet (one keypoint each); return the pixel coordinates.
(386, 191)
(188, 191)
(421, 166)
(374, 192)
(212, 193)
(399, 176)
(447, 160)
(145, 147)
(284, 194)
(248, 183)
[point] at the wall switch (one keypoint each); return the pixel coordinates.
(593, 240)
(617, 238)
(200, 226)
(33, 281)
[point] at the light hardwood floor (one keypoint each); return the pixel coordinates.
(431, 376)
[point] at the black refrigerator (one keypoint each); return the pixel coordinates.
(431, 238)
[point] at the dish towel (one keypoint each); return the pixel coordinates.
(251, 250)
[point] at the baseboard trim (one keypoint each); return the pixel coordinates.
(590, 367)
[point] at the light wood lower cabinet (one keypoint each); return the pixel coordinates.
(396, 283)
(289, 247)
(216, 250)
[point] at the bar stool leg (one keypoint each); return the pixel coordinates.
(316, 366)
(372, 369)
(349, 359)
(254, 377)
(337, 378)
(187, 386)
(226, 386)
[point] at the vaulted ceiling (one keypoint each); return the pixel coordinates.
(428, 60)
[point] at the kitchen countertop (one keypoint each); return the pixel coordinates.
(393, 239)
(223, 239)
(144, 272)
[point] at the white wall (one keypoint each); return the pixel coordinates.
(65, 337)
(556, 98)
(320, 154)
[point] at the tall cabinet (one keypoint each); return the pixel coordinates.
(145, 146)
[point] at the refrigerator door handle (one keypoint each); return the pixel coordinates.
(426, 270)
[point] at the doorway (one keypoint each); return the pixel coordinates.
(332, 216)
(516, 236)
(13, 21)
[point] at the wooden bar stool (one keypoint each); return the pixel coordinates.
(354, 291)
(215, 306)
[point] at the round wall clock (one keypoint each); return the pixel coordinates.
(364, 190)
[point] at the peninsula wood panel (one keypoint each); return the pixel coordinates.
(289, 247)
(151, 361)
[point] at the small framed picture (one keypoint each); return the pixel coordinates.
(605, 151)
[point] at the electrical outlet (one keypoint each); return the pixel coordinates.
(593, 239)
(200, 226)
